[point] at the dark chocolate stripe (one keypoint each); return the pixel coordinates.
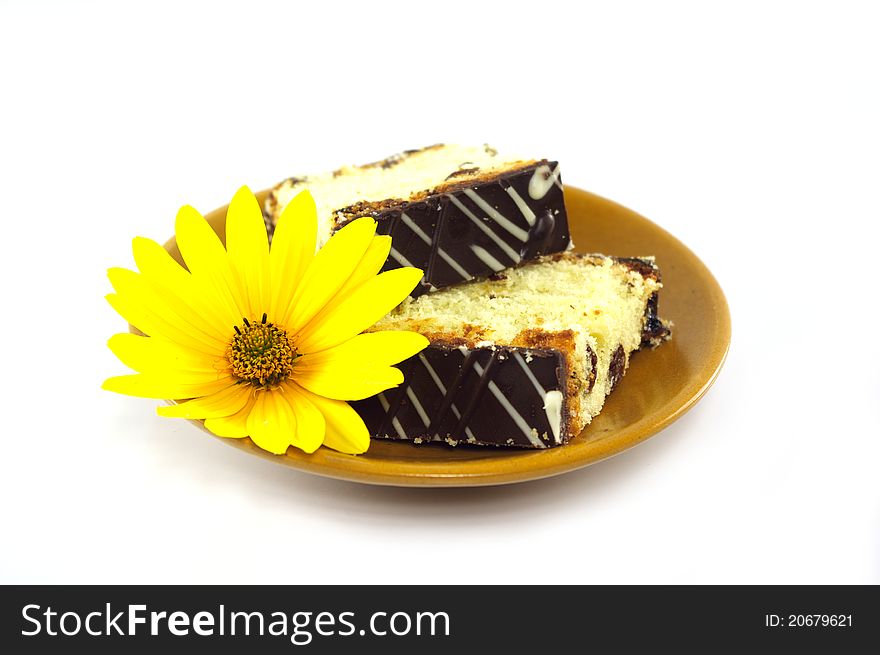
(477, 396)
(435, 247)
(451, 390)
(395, 405)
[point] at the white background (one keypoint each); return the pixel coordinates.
(751, 132)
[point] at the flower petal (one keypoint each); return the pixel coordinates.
(199, 245)
(382, 348)
(190, 378)
(371, 263)
(359, 367)
(159, 267)
(226, 402)
(293, 249)
(343, 382)
(271, 422)
(361, 309)
(247, 244)
(206, 258)
(310, 424)
(328, 271)
(172, 317)
(235, 426)
(145, 354)
(147, 322)
(144, 385)
(345, 430)
(157, 263)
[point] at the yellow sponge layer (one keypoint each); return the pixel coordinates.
(400, 177)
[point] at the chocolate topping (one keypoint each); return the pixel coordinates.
(471, 229)
(540, 241)
(479, 396)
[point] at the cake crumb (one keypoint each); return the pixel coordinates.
(417, 440)
(451, 441)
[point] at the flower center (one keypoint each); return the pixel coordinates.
(261, 354)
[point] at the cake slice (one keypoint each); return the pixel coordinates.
(526, 359)
(459, 213)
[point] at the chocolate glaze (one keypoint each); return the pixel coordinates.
(468, 409)
(541, 236)
(446, 229)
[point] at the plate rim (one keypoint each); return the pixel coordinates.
(428, 473)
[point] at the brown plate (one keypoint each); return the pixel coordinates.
(659, 387)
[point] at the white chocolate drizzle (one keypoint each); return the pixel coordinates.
(487, 259)
(542, 180)
(510, 252)
(531, 435)
(445, 255)
(418, 406)
(552, 399)
(400, 259)
(553, 407)
(397, 426)
(496, 216)
(527, 212)
(442, 388)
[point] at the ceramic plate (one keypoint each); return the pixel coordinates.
(659, 387)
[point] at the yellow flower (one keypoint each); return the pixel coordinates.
(266, 343)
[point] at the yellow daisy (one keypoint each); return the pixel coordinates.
(265, 342)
